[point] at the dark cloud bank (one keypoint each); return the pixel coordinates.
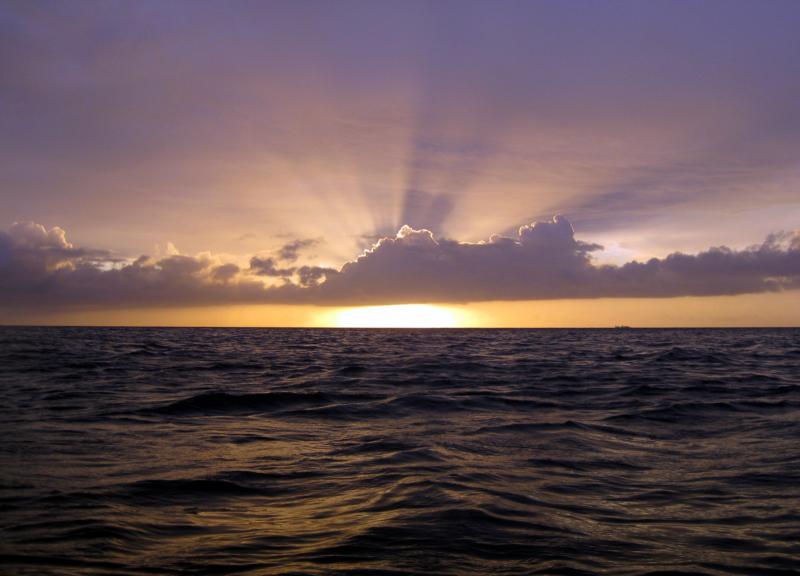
(40, 269)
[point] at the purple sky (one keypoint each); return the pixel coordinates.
(232, 130)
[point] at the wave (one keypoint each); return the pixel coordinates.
(228, 403)
(324, 452)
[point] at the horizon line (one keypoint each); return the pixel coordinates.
(212, 327)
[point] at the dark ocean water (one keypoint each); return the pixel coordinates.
(565, 452)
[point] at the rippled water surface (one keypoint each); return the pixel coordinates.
(569, 452)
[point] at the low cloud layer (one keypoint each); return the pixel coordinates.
(41, 269)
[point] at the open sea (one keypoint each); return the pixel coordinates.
(326, 451)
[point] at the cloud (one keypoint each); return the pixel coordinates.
(312, 276)
(540, 262)
(545, 261)
(303, 275)
(225, 272)
(40, 268)
(269, 267)
(289, 252)
(34, 236)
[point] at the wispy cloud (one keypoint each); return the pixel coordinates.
(290, 251)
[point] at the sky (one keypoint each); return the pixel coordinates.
(524, 163)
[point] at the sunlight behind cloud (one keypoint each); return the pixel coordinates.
(401, 316)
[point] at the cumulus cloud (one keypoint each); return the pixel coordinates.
(545, 261)
(538, 263)
(40, 268)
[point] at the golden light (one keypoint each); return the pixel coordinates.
(399, 316)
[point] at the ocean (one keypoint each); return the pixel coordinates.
(330, 451)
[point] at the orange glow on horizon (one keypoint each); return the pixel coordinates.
(399, 316)
(770, 309)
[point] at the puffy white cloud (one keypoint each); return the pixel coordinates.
(33, 236)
